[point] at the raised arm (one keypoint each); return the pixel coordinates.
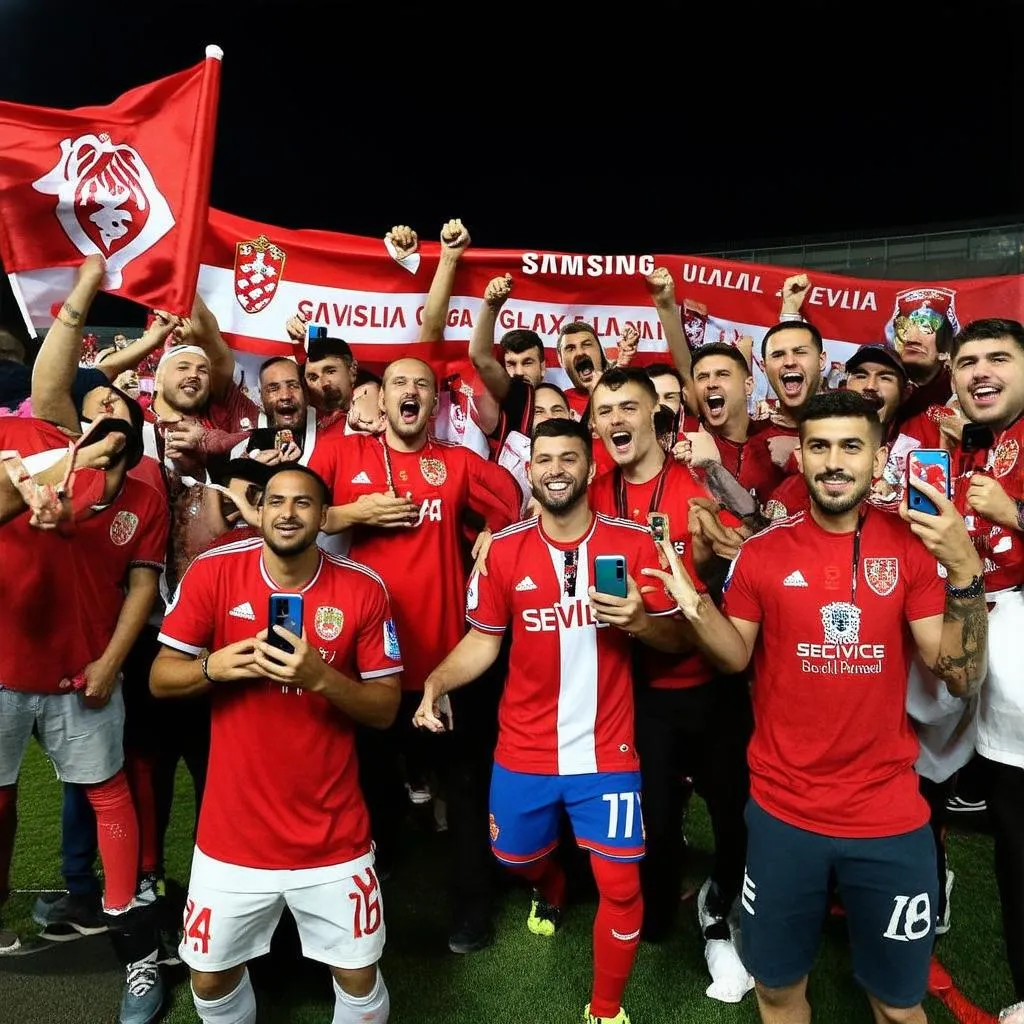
(454, 242)
(203, 330)
(663, 295)
(481, 344)
(131, 356)
(57, 363)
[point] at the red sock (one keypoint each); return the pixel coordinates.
(117, 832)
(139, 768)
(547, 877)
(8, 827)
(620, 911)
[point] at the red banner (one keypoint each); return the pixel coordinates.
(129, 181)
(254, 276)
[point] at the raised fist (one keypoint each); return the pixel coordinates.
(454, 235)
(92, 270)
(628, 344)
(794, 291)
(296, 328)
(497, 291)
(661, 286)
(404, 240)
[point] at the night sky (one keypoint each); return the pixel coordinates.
(648, 131)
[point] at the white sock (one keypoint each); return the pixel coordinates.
(371, 1009)
(237, 1007)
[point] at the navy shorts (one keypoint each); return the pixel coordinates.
(526, 811)
(889, 889)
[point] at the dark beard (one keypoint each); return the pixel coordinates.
(575, 495)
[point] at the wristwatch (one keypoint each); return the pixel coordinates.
(976, 588)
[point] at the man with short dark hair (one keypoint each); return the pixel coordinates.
(275, 828)
(844, 591)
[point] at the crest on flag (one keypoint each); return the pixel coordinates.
(107, 200)
(123, 528)
(328, 622)
(882, 575)
(259, 266)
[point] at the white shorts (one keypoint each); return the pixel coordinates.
(232, 911)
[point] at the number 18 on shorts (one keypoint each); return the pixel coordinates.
(526, 813)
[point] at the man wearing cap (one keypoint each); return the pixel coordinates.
(876, 373)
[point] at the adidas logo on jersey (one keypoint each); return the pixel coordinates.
(526, 584)
(243, 611)
(362, 477)
(795, 579)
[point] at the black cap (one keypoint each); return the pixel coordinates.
(243, 469)
(876, 353)
(324, 348)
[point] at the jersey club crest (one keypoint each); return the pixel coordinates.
(107, 201)
(259, 267)
(434, 471)
(1005, 457)
(123, 528)
(882, 575)
(328, 622)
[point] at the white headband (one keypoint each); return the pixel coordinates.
(181, 350)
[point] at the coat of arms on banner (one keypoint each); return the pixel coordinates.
(107, 200)
(328, 622)
(882, 575)
(841, 621)
(123, 528)
(259, 266)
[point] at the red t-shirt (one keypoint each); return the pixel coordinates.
(578, 401)
(62, 592)
(421, 565)
(833, 751)
(567, 707)
(282, 789)
(750, 461)
(670, 493)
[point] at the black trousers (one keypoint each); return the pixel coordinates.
(1004, 794)
(937, 793)
(461, 760)
(171, 730)
(701, 733)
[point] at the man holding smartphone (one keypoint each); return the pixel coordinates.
(830, 604)
(276, 829)
(565, 739)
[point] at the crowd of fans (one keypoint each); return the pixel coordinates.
(656, 582)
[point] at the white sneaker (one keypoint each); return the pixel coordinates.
(943, 926)
(9, 942)
(419, 796)
(730, 981)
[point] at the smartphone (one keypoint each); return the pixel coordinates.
(283, 438)
(610, 575)
(932, 466)
(977, 437)
(285, 610)
(659, 526)
(314, 333)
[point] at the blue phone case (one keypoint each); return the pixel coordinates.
(916, 501)
(610, 575)
(284, 610)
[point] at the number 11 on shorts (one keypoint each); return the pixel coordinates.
(621, 811)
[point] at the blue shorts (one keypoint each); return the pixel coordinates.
(889, 889)
(526, 812)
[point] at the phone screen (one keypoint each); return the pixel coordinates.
(931, 466)
(285, 611)
(659, 526)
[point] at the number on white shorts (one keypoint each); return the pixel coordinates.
(366, 913)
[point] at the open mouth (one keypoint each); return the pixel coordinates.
(715, 403)
(190, 388)
(792, 383)
(288, 529)
(835, 485)
(621, 439)
(985, 394)
(409, 410)
(557, 487)
(584, 367)
(874, 399)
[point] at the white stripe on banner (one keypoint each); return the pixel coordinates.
(577, 675)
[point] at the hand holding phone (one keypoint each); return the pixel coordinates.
(610, 575)
(314, 333)
(285, 610)
(932, 466)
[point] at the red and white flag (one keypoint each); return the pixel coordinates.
(129, 181)
(254, 276)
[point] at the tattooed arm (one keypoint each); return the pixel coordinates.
(953, 645)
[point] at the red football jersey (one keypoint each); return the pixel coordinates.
(750, 461)
(833, 751)
(62, 592)
(567, 707)
(282, 789)
(668, 492)
(421, 565)
(578, 401)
